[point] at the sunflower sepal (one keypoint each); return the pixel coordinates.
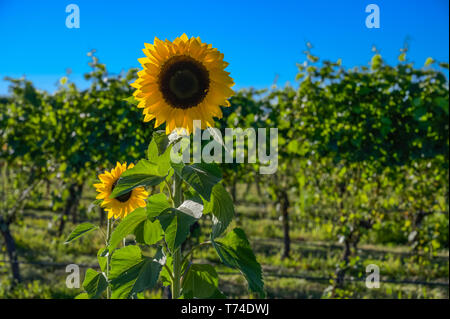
(97, 202)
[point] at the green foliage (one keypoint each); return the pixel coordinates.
(127, 226)
(145, 173)
(128, 272)
(94, 283)
(201, 281)
(175, 224)
(235, 252)
(132, 273)
(221, 206)
(149, 232)
(156, 204)
(200, 176)
(390, 115)
(80, 231)
(363, 156)
(358, 149)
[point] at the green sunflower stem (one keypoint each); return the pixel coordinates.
(108, 258)
(177, 190)
(177, 257)
(176, 287)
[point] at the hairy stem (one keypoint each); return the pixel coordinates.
(108, 259)
(177, 257)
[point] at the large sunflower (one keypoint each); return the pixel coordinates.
(182, 81)
(122, 205)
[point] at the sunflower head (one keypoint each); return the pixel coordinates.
(122, 205)
(182, 81)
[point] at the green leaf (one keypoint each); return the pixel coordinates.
(429, 61)
(80, 231)
(417, 102)
(156, 204)
(164, 275)
(420, 111)
(97, 202)
(201, 281)
(442, 103)
(193, 196)
(234, 250)
(149, 232)
(101, 257)
(152, 151)
(145, 173)
(131, 100)
(158, 146)
(83, 295)
(175, 224)
(293, 147)
(132, 273)
(124, 258)
(377, 61)
(161, 140)
(200, 176)
(163, 162)
(94, 283)
(221, 206)
(127, 226)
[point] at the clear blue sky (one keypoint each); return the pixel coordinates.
(260, 38)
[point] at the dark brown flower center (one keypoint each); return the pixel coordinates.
(184, 82)
(122, 198)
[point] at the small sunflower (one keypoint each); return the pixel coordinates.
(122, 205)
(182, 81)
